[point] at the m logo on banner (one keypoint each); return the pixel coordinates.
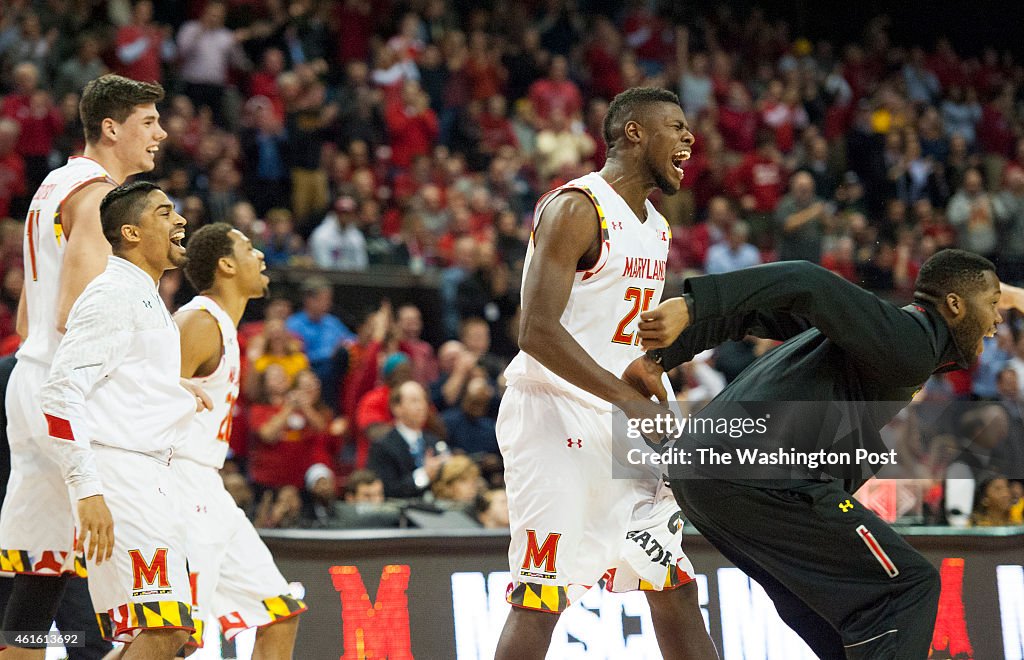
(380, 630)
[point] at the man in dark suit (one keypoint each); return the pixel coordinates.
(407, 459)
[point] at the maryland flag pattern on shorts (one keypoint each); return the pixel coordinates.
(117, 624)
(543, 597)
(15, 561)
(283, 606)
(51, 562)
(674, 577)
(196, 639)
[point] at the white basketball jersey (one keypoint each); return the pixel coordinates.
(207, 442)
(43, 251)
(606, 300)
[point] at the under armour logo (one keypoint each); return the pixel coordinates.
(616, 225)
(578, 441)
(845, 506)
(148, 304)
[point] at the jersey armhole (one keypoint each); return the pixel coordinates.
(58, 217)
(605, 238)
(222, 356)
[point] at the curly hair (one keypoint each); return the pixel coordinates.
(206, 247)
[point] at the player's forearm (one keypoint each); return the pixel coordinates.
(70, 443)
(553, 346)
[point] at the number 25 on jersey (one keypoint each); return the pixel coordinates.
(641, 302)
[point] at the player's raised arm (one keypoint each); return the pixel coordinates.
(566, 234)
(87, 250)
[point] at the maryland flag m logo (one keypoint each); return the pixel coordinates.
(151, 571)
(544, 554)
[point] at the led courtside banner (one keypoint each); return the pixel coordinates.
(417, 594)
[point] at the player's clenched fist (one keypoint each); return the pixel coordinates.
(660, 326)
(97, 526)
(644, 375)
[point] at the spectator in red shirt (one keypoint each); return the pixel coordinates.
(990, 76)
(650, 37)
(483, 67)
(759, 181)
(995, 131)
(707, 170)
(946, 65)
(780, 111)
(495, 128)
(602, 60)
(712, 231)
(38, 118)
(421, 354)
(142, 45)
(556, 92)
(840, 259)
(356, 18)
(373, 415)
(737, 120)
(290, 431)
(264, 81)
(412, 125)
(12, 166)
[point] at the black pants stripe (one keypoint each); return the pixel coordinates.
(802, 545)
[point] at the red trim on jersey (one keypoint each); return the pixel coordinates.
(59, 428)
(87, 182)
(542, 203)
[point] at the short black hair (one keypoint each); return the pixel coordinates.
(630, 105)
(122, 206)
(205, 249)
(952, 271)
(116, 97)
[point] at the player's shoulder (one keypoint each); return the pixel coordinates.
(198, 321)
(570, 204)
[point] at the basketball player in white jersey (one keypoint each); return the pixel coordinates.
(595, 261)
(115, 407)
(234, 577)
(64, 249)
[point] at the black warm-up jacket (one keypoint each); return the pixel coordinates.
(841, 344)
